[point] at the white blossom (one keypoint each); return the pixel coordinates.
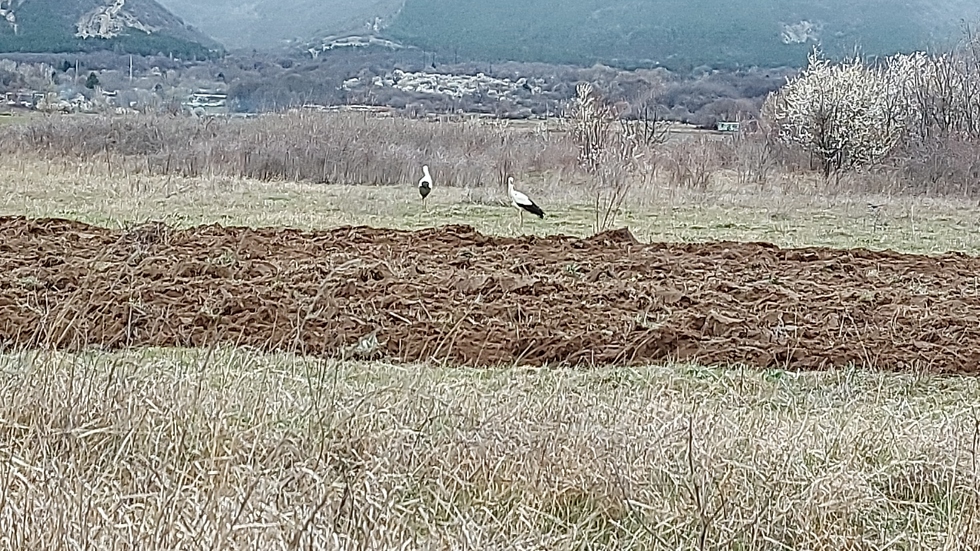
(845, 113)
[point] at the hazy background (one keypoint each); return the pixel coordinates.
(696, 61)
(672, 33)
(270, 23)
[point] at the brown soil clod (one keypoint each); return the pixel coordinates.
(451, 294)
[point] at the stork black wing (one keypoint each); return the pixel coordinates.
(533, 209)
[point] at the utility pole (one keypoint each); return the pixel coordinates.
(130, 68)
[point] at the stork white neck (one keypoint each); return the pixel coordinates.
(425, 170)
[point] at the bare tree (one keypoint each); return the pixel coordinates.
(651, 127)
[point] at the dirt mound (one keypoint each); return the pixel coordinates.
(453, 294)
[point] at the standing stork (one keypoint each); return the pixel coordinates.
(522, 202)
(425, 184)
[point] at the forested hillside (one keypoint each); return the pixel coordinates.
(675, 33)
(265, 24)
(133, 26)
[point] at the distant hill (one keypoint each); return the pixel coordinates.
(130, 26)
(267, 24)
(675, 33)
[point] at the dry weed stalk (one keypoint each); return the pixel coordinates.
(693, 165)
(755, 159)
(591, 120)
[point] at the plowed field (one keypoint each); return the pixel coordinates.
(453, 294)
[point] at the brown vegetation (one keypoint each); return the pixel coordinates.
(229, 449)
(335, 149)
(476, 154)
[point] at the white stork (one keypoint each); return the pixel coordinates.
(522, 202)
(425, 184)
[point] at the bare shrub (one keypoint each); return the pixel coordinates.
(694, 164)
(651, 127)
(608, 156)
(591, 119)
(614, 182)
(755, 159)
(942, 166)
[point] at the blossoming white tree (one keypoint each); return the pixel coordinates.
(922, 109)
(846, 114)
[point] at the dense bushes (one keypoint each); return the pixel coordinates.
(917, 113)
(329, 148)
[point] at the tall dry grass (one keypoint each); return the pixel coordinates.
(350, 148)
(226, 449)
(358, 149)
(315, 147)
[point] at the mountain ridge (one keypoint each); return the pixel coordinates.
(270, 24)
(676, 33)
(670, 33)
(129, 26)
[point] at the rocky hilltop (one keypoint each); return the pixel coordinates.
(135, 26)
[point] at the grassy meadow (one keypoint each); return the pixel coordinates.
(788, 217)
(231, 449)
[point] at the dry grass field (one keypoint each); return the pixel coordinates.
(224, 447)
